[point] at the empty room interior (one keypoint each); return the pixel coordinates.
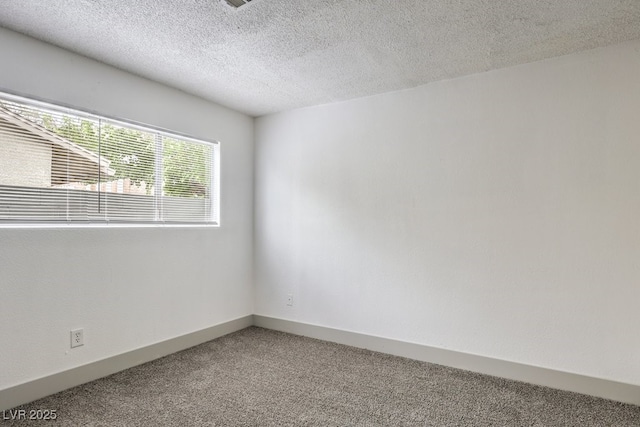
(446, 187)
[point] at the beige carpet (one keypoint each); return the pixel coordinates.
(258, 377)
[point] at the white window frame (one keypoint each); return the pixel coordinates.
(214, 199)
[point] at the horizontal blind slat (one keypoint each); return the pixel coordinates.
(59, 166)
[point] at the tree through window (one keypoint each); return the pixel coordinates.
(61, 165)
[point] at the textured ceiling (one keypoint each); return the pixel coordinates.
(274, 55)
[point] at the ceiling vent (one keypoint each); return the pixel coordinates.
(237, 3)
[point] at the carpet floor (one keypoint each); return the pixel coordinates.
(259, 377)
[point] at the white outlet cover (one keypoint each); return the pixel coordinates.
(77, 338)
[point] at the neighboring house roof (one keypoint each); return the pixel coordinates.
(63, 150)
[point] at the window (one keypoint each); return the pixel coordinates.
(64, 166)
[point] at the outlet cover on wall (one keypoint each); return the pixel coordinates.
(290, 299)
(77, 338)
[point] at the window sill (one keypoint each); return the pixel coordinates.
(103, 225)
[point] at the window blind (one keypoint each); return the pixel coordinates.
(65, 166)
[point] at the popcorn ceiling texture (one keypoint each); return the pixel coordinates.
(275, 55)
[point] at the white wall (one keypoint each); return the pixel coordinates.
(496, 214)
(127, 287)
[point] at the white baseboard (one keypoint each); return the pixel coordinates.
(36, 389)
(621, 392)
(42, 387)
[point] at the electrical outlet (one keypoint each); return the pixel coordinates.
(290, 299)
(77, 338)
